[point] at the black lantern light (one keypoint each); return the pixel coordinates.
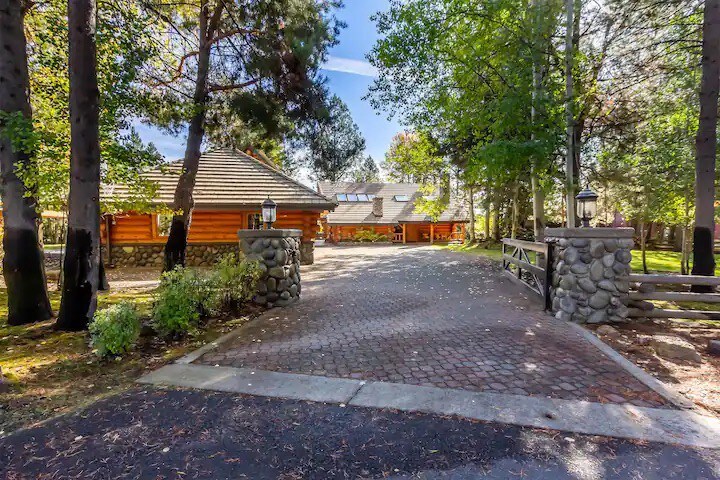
(586, 205)
(269, 213)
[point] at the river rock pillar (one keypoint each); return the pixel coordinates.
(278, 251)
(586, 264)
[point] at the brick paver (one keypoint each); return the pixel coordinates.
(425, 316)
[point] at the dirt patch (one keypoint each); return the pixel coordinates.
(700, 382)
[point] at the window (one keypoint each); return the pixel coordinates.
(351, 197)
(341, 197)
(401, 198)
(362, 197)
(371, 196)
(163, 225)
(254, 221)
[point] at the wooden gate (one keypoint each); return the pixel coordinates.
(535, 273)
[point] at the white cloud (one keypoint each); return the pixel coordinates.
(349, 65)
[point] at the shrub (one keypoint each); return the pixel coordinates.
(182, 296)
(115, 329)
(234, 280)
(369, 236)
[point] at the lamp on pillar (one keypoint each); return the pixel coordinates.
(269, 213)
(586, 205)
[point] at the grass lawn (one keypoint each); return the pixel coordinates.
(52, 372)
(662, 261)
(492, 251)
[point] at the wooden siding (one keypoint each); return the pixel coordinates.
(207, 226)
(415, 232)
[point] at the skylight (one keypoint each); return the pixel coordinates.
(401, 198)
(355, 197)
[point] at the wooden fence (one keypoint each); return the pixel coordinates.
(646, 290)
(536, 274)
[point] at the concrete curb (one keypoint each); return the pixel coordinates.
(195, 354)
(651, 382)
(623, 421)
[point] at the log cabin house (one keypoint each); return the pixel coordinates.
(388, 209)
(229, 188)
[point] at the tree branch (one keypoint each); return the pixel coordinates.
(234, 86)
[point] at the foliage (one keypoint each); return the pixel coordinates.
(182, 296)
(114, 330)
(233, 280)
(366, 171)
(125, 44)
(333, 142)
(363, 235)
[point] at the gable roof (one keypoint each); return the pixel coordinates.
(231, 179)
(360, 213)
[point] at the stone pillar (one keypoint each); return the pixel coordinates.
(585, 266)
(278, 252)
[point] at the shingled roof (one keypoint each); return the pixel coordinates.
(230, 179)
(361, 213)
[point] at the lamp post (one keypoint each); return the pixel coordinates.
(269, 213)
(586, 205)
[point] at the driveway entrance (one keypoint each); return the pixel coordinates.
(426, 316)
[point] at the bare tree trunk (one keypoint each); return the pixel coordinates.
(183, 200)
(706, 145)
(487, 221)
(496, 219)
(538, 194)
(515, 210)
(23, 262)
(569, 116)
(471, 201)
(81, 267)
(642, 246)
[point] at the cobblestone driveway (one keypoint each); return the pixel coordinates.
(426, 316)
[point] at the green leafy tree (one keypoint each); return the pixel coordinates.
(23, 267)
(366, 172)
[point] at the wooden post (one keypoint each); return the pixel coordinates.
(432, 233)
(404, 235)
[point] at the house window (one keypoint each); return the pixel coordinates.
(254, 221)
(341, 197)
(163, 225)
(401, 198)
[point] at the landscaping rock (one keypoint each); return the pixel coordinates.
(608, 331)
(714, 347)
(675, 348)
(647, 288)
(643, 340)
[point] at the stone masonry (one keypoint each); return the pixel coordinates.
(278, 252)
(196, 255)
(586, 264)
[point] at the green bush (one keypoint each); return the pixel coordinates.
(369, 236)
(182, 297)
(115, 329)
(233, 281)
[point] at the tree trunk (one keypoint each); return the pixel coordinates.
(23, 263)
(471, 201)
(642, 246)
(183, 200)
(81, 268)
(496, 220)
(569, 116)
(538, 194)
(706, 145)
(515, 210)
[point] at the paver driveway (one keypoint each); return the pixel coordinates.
(425, 316)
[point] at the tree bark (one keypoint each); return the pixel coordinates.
(471, 202)
(569, 116)
(706, 145)
(643, 244)
(538, 194)
(81, 268)
(23, 262)
(183, 200)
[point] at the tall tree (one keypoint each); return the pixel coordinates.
(706, 143)
(253, 61)
(367, 171)
(81, 268)
(569, 114)
(23, 264)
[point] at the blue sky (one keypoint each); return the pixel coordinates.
(349, 76)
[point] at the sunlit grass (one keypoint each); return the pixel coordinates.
(492, 251)
(662, 261)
